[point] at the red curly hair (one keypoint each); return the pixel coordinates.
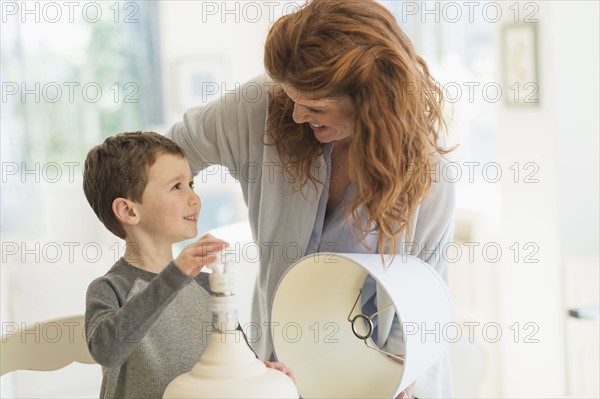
(356, 48)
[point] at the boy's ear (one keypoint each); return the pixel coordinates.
(125, 211)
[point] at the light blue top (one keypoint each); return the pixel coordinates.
(334, 234)
(331, 234)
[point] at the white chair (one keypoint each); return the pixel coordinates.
(44, 346)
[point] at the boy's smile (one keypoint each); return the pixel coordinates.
(169, 209)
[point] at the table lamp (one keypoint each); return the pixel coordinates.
(228, 368)
(321, 332)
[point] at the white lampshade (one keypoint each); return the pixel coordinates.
(313, 336)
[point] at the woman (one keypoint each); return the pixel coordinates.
(344, 133)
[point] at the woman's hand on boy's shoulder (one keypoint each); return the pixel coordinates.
(198, 254)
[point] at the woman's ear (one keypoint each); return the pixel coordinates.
(125, 211)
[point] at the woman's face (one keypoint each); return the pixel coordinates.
(331, 119)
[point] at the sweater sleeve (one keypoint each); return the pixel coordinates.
(113, 328)
(226, 130)
(434, 224)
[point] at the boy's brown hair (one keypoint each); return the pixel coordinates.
(119, 168)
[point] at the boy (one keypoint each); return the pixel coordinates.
(145, 317)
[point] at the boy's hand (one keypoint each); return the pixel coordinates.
(197, 254)
(281, 367)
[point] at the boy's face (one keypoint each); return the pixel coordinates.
(169, 209)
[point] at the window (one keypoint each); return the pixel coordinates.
(72, 74)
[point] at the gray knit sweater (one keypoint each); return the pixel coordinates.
(145, 329)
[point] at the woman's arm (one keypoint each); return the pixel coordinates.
(226, 130)
(433, 224)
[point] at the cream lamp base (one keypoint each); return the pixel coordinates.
(229, 369)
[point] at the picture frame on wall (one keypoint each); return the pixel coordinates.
(520, 64)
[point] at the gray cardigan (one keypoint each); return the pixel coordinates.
(230, 131)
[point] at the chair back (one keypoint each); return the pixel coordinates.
(44, 346)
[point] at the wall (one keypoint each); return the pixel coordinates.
(575, 76)
(559, 213)
(226, 36)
